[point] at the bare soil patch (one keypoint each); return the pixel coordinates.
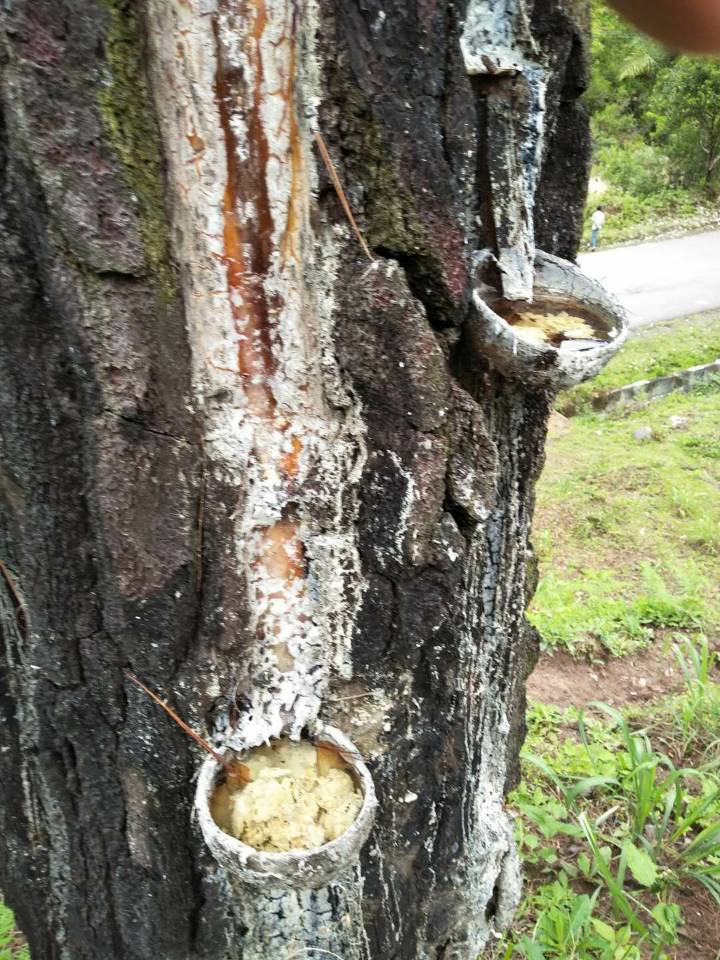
(700, 932)
(646, 675)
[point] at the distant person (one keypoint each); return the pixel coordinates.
(597, 222)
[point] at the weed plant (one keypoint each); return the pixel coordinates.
(9, 949)
(612, 827)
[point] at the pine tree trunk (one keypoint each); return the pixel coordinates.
(200, 363)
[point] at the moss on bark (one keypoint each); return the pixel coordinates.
(130, 128)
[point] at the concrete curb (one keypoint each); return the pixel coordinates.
(684, 380)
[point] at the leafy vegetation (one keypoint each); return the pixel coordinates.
(617, 834)
(618, 811)
(10, 943)
(656, 131)
(592, 609)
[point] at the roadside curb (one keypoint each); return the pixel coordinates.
(683, 380)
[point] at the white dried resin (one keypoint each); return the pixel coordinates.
(545, 328)
(300, 796)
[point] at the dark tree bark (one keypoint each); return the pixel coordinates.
(131, 509)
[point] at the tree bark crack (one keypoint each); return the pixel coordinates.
(142, 426)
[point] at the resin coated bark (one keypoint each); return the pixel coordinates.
(172, 500)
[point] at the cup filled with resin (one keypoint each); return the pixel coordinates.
(566, 334)
(291, 813)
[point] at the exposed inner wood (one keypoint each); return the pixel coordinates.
(249, 248)
(248, 239)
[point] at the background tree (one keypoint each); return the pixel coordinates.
(654, 126)
(686, 108)
(207, 390)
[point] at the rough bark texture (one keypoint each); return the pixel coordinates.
(117, 537)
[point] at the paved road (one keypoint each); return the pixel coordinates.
(663, 279)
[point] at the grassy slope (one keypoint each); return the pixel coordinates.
(628, 531)
(628, 534)
(634, 220)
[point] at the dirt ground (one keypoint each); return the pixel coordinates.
(700, 934)
(564, 682)
(647, 675)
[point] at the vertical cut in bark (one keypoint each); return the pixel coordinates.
(255, 328)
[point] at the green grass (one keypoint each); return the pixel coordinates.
(618, 811)
(595, 604)
(616, 833)
(8, 937)
(628, 532)
(652, 352)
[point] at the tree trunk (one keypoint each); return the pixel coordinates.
(213, 399)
